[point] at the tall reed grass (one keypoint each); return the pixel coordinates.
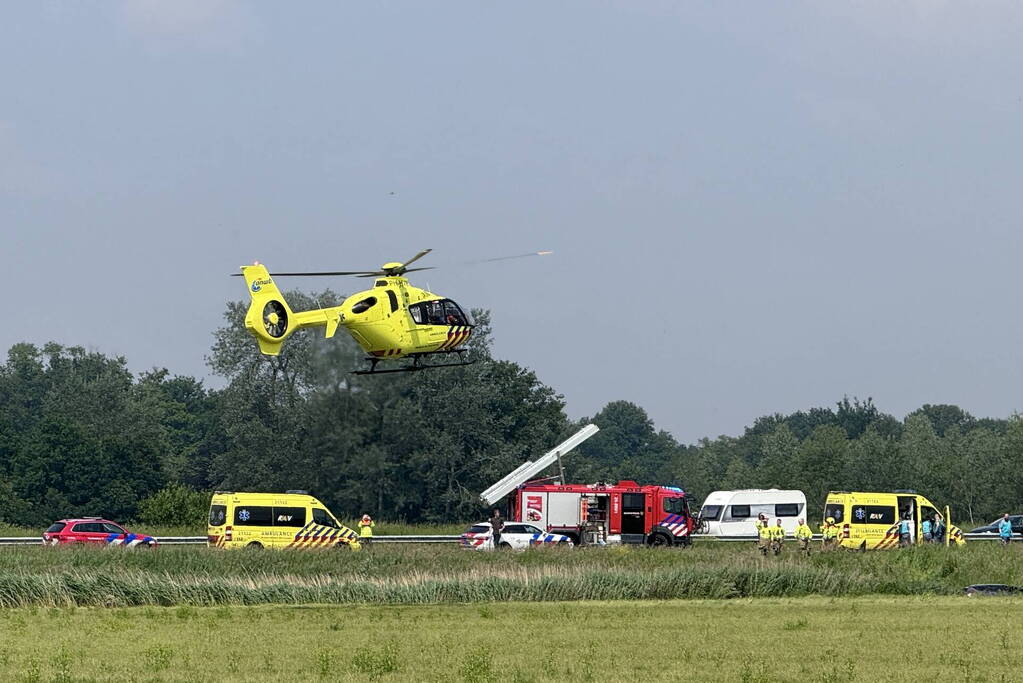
(430, 574)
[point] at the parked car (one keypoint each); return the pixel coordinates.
(514, 535)
(94, 531)
(992, 528)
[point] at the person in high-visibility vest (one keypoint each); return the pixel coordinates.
(804, 535)
(829, 534)
(366, 529)
(777, 537)
(764, 534)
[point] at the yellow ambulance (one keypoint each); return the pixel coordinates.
(274, 520)
(870, 521)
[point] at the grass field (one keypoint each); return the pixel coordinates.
(789, 639)
(397, 575)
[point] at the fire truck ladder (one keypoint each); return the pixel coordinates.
(530, 469)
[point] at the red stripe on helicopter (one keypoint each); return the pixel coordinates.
(447, 342)
(459, 337)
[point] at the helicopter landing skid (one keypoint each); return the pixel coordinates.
(417, 364)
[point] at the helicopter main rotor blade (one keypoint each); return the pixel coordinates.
(505, 258)
(362, 273)
(404, 270)
(415, 258)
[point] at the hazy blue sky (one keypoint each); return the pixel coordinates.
(754, 207)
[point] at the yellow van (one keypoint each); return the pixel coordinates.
(274, 520)
(870, 521)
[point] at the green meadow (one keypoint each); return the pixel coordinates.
(769, 639)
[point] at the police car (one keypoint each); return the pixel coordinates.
(94, 531)
(514, 535)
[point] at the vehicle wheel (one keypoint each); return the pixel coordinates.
(660, 539)
(255, 545)
(504, 546)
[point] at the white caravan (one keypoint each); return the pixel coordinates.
(733, 513)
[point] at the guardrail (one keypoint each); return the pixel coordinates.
(201, 540)
(817, 537)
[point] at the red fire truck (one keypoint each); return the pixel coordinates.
(606, 513)
(593, 513)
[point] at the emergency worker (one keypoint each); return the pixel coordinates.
(1005, 530)
(366, 529)
(760, 522)
(777, 537)
(764, 535)
(496, 524)
(804, 535)
(906, 532)
(829, 534)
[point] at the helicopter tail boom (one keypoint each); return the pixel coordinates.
(269, 318)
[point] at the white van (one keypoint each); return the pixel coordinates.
(733, 513)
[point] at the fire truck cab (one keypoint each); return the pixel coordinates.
(606, 514)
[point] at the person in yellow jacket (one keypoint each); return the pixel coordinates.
(763, 538)
(829, 534)
(366, 529)
(777, 537)
(804, 535)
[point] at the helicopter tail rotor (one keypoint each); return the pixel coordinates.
(269, 318)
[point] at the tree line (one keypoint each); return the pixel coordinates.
(82, 435)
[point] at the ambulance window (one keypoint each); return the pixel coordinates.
(836, 511)
(322, 517)
(786, 510)
(218, 514)
(873, 514)
(253, 515)
(289, 516)
(675, 506)
(739, 512)
(711, 512)
(393, 299)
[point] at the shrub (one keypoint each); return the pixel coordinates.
(175, 505)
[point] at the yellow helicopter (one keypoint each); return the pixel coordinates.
(391, 321)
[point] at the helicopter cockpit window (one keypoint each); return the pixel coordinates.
(428, 313)
(453, 314)
(364, 305)
(393, 299)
